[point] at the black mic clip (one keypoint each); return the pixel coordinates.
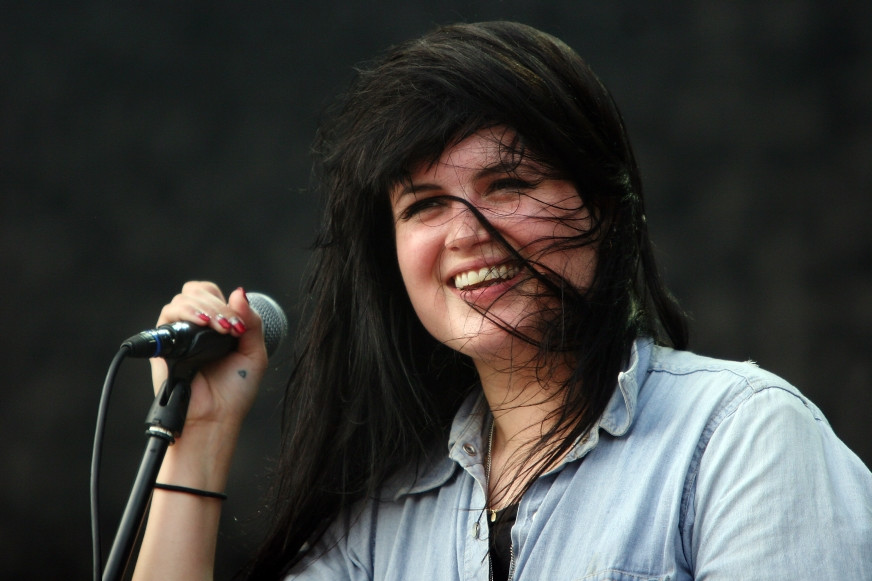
(167, 414)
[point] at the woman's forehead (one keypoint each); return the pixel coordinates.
(493, 147)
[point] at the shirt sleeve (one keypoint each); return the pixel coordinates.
(779, 496)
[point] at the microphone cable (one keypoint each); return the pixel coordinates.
(97, 552)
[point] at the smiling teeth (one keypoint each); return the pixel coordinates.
(488, 273)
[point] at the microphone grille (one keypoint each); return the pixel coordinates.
(275, 323)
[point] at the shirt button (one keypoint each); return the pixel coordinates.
(469, 449)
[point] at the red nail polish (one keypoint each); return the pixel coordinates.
(238, 325)
(245, 295)
(203, 316)
(222, 320)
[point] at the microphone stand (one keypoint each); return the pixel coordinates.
(165, 421)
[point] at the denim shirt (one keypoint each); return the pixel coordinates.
(699, 469)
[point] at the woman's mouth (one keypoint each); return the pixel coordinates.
(485, 276)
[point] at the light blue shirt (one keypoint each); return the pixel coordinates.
(699, 469)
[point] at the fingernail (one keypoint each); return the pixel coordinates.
(238, 325)
(222, 320)
(245, 295)
(203, 316)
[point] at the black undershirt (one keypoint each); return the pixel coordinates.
(501, 541)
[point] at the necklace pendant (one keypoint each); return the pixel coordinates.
(493, 515)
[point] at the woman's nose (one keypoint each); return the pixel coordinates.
(464, 230)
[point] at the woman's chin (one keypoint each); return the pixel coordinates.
(491, 344)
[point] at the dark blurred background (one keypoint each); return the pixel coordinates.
(145, 144)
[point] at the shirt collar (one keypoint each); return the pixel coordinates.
(468, 425)
(621, 410)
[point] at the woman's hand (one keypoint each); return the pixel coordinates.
(180, 538)
(222, 391)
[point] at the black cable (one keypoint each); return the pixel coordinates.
(97, 552)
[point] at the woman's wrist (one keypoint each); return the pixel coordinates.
(200, 458)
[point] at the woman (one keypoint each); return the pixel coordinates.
(490, 380)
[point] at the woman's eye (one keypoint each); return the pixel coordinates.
(509, 184)
(503, 196)
(420, 207)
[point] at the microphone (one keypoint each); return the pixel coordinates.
(182, 340)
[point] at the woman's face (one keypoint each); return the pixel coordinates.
(453, 268)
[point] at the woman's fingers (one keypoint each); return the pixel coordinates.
(198, 302)
(245, 318)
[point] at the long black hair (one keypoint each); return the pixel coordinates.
(372, 392)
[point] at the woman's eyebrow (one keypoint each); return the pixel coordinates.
(413, 188)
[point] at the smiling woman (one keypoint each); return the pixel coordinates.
(491, 380)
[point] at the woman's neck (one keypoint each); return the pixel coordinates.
(525, 404)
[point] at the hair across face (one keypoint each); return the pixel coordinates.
(481, 235)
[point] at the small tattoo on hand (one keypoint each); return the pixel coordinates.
(242, 373)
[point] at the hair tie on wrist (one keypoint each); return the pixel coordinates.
(194, 491)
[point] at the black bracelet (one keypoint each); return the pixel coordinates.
(194, 491)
